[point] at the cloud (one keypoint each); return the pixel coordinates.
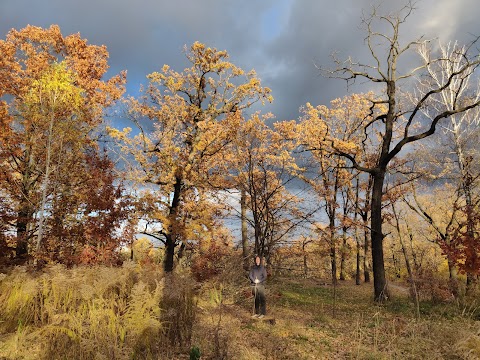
(282, 39)
(450, 20)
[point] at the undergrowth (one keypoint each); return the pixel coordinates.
(83, 313)
(137, 313)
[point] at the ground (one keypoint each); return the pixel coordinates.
(312, 323)
(313, 320)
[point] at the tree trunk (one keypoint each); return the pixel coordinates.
(412, 249)
(343, 254)
(333, 253)
(243, 217)
(305, 265)
(45, 184)
(467, 181)
(453, 280)
(396, 263)
(332, 215)
(357, 240)
(169, 254)
(26, 208)
(257, 235)
(407, 264)
(366, 241)
(413, 283)
(357, 272)
(24, 217)
(381, 293)
(171, 232)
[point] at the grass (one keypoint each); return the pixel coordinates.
(306, 328)
(127, 313)
(78, 314)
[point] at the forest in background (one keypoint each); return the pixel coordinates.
(374, 187)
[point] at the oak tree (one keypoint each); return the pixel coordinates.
(193, 116)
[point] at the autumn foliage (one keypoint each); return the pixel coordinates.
(197, 144)
(463, 249)
(194, 114)
(53, 97)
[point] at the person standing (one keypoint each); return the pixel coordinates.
(258, 276)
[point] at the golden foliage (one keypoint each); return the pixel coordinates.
(194, 115)
(54, 95)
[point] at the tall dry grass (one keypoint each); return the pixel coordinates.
(137, 313)
(89, 313)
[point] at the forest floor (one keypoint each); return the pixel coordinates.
(313, 323)
(312, 320)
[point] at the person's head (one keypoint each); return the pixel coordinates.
(257, 260)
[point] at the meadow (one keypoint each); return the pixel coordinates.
(135, 312)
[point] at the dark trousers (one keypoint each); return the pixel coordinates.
(260, 302)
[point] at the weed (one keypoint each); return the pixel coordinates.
(83, 312)
(195, 353)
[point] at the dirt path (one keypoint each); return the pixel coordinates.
(399, 288)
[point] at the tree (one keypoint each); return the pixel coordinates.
(440, 215)
(464, 248)
(411, 276)
(364, 212)
(402, 115)
(86, 212)
(28, 56)
(263, 167)
(194, 115)
(339, 124)
(357, 236)
(445, 212)
(461, 129)
(54, 102)
(346, 221)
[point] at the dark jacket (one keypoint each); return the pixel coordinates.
(258, 272)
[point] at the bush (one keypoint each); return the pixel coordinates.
(178, 309)
(210, 262)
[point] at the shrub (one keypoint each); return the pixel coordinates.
(178, 309)
(210, 262)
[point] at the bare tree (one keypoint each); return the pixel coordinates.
(461, 129)
(442, 230)
(396, 120)
(411, 276)
(243, 218)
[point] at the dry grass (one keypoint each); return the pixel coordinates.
(134, 313)
(84, 313)
(306, 327)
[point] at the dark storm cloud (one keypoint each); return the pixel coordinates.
(281, 39)
(311, 34)
(143, 35)
(315, 29)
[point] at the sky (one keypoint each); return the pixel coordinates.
(283, 40)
